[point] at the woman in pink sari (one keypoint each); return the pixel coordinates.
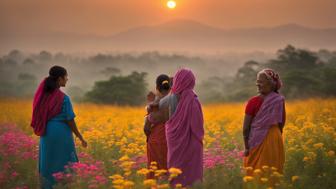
(184, 129)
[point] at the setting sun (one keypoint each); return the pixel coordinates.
(171, 4)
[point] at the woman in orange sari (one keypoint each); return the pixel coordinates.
(155, 129)
(263, 123)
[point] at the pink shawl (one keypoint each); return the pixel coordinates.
(184, 131)
(45, 107)
(270, 113)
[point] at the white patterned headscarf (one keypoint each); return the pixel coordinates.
(273, 77)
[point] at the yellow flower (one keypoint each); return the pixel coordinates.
(118, 181)
(274, 168)
(318, 145)
(276, 174)
(178, 186)
(149, 182)
(128, 184)
(118, 186)
(291, 149)
(312, 155)
(163, 186)
(248, 179)
(306, 159)
(257, 171)
(118, 129)
(127, 164)
(295, 178)
(265, 167)
(153, 163)
(331, 153)
(248, 168)
(128, 173)
(116, 176)
(143, 171)
(153, 167)
(175, 171)
(160, 172)
(124, 158)
(309, 141)
(264, 180)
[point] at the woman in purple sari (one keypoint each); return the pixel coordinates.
(184, 129)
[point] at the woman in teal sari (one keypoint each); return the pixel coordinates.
(53, 121)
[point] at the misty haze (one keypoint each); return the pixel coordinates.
(199, 94)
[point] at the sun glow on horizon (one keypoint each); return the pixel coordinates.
(171, 4)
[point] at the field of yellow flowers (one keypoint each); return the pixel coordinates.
(116, 158)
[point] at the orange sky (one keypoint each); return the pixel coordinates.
(105, 17)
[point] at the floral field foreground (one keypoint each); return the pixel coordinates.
(115, 156)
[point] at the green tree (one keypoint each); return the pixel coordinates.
(302, 72)
(26, 85)
(243, 85)
(120, 90)
(301, 84)
(293, 58)
(329, 86)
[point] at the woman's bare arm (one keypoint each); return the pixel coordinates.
(246, 131)
(160, 116)
(282, 125)
(74, 129)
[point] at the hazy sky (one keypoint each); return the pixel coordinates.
(105, 17)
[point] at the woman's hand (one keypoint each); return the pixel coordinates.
(74, 129)
(150, 97)
(281, 126)
(84, 143)
(147, 127)
(152, 106)
(147, 130)
(246, 152)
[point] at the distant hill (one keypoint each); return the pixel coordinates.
(183, 35)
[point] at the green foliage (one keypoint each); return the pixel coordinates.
(120, 90)
(303, 73)
(23, 86)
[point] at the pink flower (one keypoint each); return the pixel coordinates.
(27, 155)
(139, 160)
(218, 155)
(58, 176)
(68, 175)
(22, 187)
(100, 179)
(93, 186)
(14, 174)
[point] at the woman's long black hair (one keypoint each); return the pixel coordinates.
(163, 83)
(55, 72)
